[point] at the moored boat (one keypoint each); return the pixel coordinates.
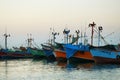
(2, 53)
(48, 51)
(37, 53)
(78, 53)
(10, 54)
(60, 55)
(49, 47)
(59, 51)
(106, 54)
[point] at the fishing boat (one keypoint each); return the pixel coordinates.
(2, 53)
(36, 53)
(22, 52)
(18, 55)
(78, 53)
(60, 52)
(26, 53)
(48, 48)
(63, 52)
(106, 54)
(11, 54)
(51, 50)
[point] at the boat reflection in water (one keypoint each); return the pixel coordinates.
(29, 69)
(75, 65)
(88, 66)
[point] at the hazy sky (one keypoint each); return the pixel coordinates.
(37, 16)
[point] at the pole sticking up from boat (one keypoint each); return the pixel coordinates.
(6, 36)
(30, 40)
(85, 40)
(54, 36)
(92, 25)
(66, 32)
(70, 36)
(77, 33)
(100, 28)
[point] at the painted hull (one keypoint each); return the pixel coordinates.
(48, 50)
(105, 56)
(78, 52)
(37, 53)
(82, 57)
(49, 54)
(60, 55)
(17, 55)
(4, 54)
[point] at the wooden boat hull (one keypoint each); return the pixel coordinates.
(37, 53)
(48, 51)
(18, 56)
(79, 52)
(101, 60)
(81, 57)
(2, 55)
(60, 55)
(14, 55)
(49, 54)
(105, 56)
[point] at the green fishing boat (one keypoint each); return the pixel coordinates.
(37, 53)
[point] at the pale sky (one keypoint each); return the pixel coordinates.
(37, 16)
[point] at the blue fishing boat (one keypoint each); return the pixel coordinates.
(48, 50)
(81, 52)
(59, 51)
(78, 53)
(106, 54)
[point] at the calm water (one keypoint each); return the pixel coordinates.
(29, 69)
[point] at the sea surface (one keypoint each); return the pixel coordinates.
(29, 69)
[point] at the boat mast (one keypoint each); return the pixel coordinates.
(70, 38)
(100, 28)
(92, 25)
(77, 33)
(6, 36)
(66, 32)
(54, 34)
(30, 41)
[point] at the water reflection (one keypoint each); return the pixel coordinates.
(87, 65)
(29, 69)
(3, 68)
